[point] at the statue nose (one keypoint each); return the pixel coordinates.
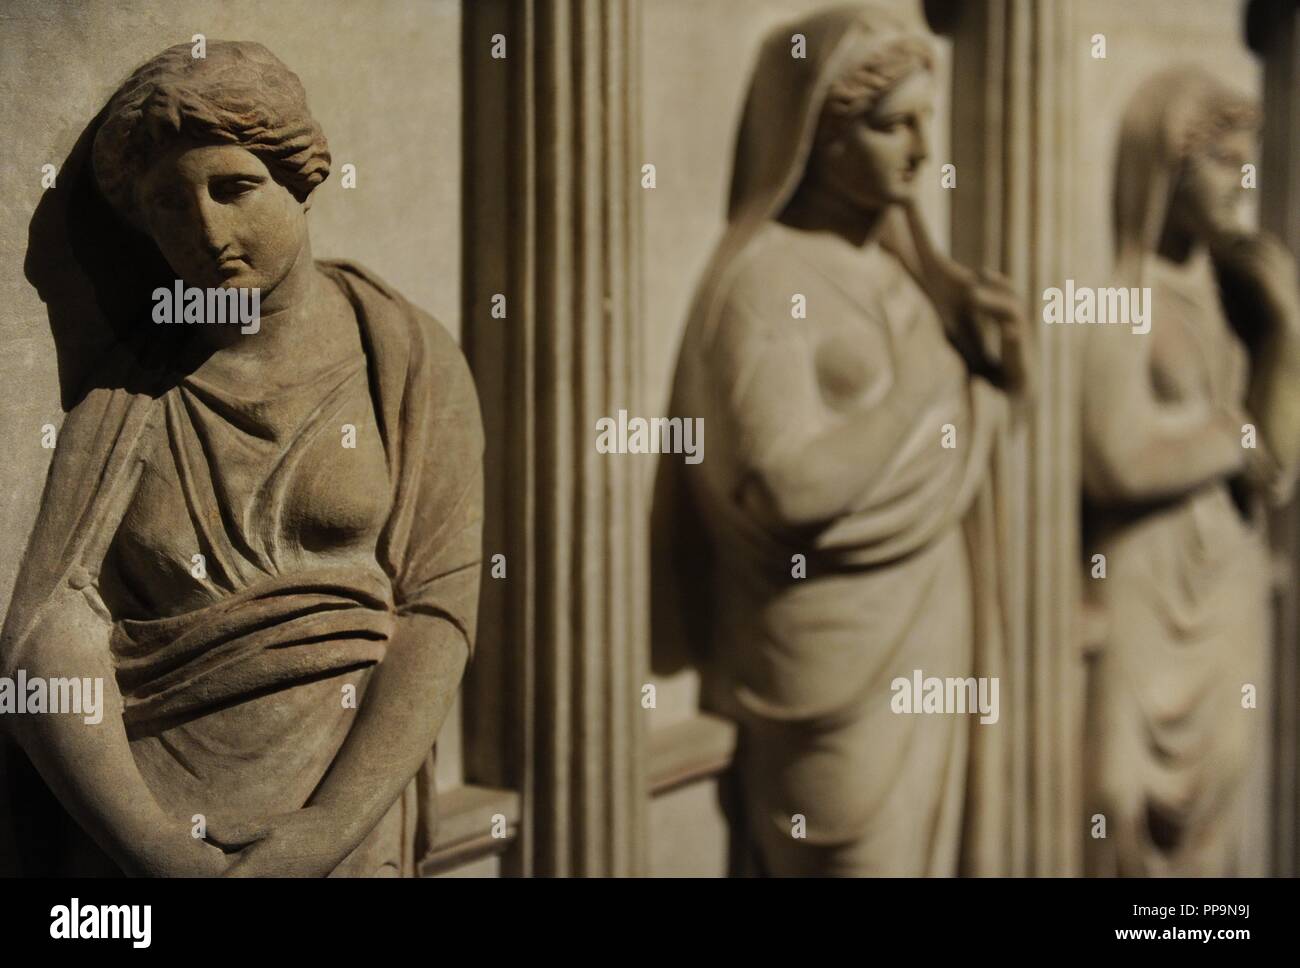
(920, 147)
(209, 229)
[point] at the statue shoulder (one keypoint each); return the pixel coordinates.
(770, 281)
(425, 329)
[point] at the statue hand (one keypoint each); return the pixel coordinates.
(177, 854)
(310, 842)
(999, 319)
(982, 313)
(1267, 270)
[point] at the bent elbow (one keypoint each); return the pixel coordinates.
(797, 495)
(1115, 478)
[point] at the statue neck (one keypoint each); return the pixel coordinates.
(817, 209)
(286, 315)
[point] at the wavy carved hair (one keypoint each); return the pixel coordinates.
(1171, 117)
(858, 89)
(239, 94)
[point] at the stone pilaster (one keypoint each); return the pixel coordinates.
(552, 225)
(1012, 102)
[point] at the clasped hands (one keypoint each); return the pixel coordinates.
(308, 842)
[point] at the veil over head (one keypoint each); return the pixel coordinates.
(1157, 133)
(779, 123)
(1166, 119)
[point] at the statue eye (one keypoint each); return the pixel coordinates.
(1227, 156)
(230, 189)
(888, 125)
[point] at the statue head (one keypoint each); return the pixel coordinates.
(1184, 139)
(215, 158)
(1218, 140)
(837, 101)
(871, 135)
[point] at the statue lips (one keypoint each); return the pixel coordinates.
(229, 270)
(230, 263)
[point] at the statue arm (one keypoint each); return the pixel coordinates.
(810, 463)
(405, 703)
(1139, 448)
(89, 766)
(398, 720)
(1274, 394)
(1275, 400)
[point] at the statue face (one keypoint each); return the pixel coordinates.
(220, 219)
(874, 159)
(1208, 193)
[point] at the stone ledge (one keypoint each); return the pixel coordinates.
(700, 747)
(465, 826)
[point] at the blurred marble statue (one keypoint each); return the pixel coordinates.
(263, 539)
(839, 536)
(1188, 432)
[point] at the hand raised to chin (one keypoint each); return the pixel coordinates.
(1264, 270)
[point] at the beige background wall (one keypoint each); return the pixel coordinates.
(383, 80)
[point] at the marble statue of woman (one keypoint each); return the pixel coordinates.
(835, 540)
(265, 544)
(1188, 431)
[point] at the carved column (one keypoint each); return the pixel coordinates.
(552, 224)
(1273, 31)
(1011, 107)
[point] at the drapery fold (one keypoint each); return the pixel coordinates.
(276, 631)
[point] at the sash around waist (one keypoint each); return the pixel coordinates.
(265, 637)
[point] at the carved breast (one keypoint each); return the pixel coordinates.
(255, 485)
(847, 366)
